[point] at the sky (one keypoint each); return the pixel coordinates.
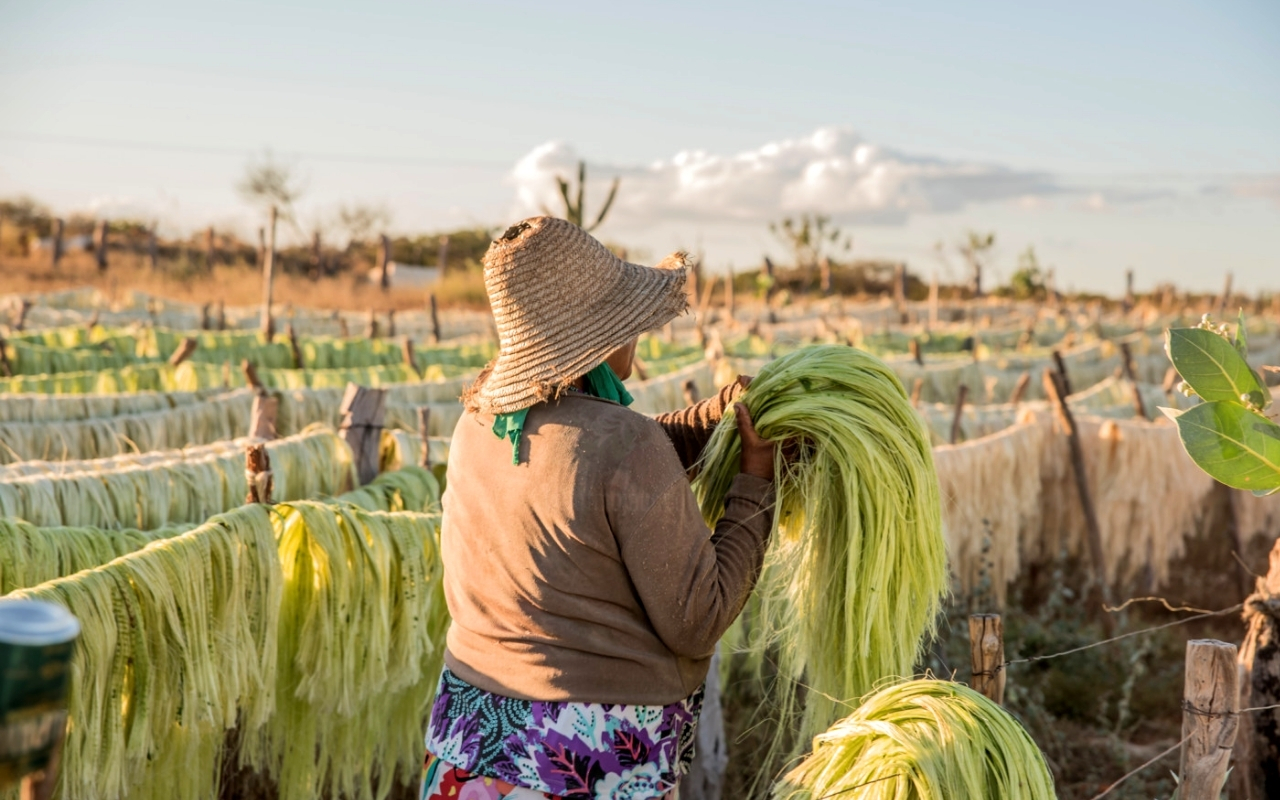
(1107, 135)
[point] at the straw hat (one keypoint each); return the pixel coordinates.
(562, 303)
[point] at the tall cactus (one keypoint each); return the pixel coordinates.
(1229, 435)
(574, 207)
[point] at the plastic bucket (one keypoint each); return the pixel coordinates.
(36, 641)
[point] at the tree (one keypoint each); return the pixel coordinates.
(360, 220)
(269, 184)
(1028, 281)
(811, 237)
(574, 206)
(975, 250)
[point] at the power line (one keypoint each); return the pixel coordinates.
(241, 152)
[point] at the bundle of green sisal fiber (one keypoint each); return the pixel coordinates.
(856, 569)
(922, 740)
(408, 488)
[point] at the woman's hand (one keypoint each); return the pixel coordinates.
(757, 453)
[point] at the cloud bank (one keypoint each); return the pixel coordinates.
(832, 171)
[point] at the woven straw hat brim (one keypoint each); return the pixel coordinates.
(562, 303)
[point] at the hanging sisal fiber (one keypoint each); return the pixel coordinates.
(216, 419)
(922, 740)
(174, 491)
(31, 555)
(177, 644)
(401, 448)
(361, 644)
(408, 487)
(158, 377)
(855, 573)
(60, 408)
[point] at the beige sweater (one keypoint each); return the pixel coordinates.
(586, 573)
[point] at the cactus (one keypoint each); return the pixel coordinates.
(574, 207)
(1229, 435)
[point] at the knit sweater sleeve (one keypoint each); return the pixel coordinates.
(689, 429)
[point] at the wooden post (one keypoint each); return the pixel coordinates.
(384, 260)
(262, 418)
(55, 243)
(257, 468)
(1257, 754)
(1020, 388)
(443, 257)
(210, 250)
(391, 323)
(690, 392)
(986, 655)
(435, 319)
(1127, 364)
(100, 244)
(220, 316)
(1062, 371)
(730, 301)
(961, 394)
(317, 256)
(1226, 297)
(1057, 394)
(424, 432)
(914, 347)
(406, 347)
(24, 305)
(268, 273)
(262, 248)
(362, 413)
(1210, 718)
(824, 275)
(251, 375)
(343, 330)
(183, 351)
(5, 366)
(933, 301)
(204, 316)
(293, 346)
(371, 329)
(153, 250)
(917, 389)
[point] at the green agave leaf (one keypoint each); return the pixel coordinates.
(1233, 445)
(1212, 368)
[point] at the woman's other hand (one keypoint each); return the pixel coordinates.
(757, 453)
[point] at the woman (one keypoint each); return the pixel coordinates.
(587, 593)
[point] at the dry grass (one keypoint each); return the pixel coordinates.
(233, 285)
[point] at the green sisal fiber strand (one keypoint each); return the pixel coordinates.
(30, 555)
(856, 570)
(409, 488)
(922, 740)
(178, 644)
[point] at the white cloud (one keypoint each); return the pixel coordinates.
(832, 171)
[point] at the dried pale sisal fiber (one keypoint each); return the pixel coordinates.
(922, 740)
(991, 503)
(177, 645)
(30, 555)
(855, 573)
(407, 488)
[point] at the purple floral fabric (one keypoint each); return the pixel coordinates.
(580, 750)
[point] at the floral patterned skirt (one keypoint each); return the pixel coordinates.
(503, 747)
(444, 781)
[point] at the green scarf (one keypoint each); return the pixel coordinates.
(600, 382)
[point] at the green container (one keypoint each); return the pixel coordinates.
(36, 640)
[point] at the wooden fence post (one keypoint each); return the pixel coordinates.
(100, 244)
(220, 316)
(251, 375)
(690, 392)
(986, 655)
(292, 335)
(268, 273)
(913, 347)
(435, 319)
(424, 432)
(183, 351)
(262, 418)
(1057, 393)
(961, 395)
(410, 360)
(1127, 363)
(55, 243)
(362, 414)
(372, 329)
(917, 389)
(1127, 303)
(1062, 370)
(257, 468)
(1020, 388)
(1256, 775)
(391, 323)
(384, 260)
(1210, 717)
